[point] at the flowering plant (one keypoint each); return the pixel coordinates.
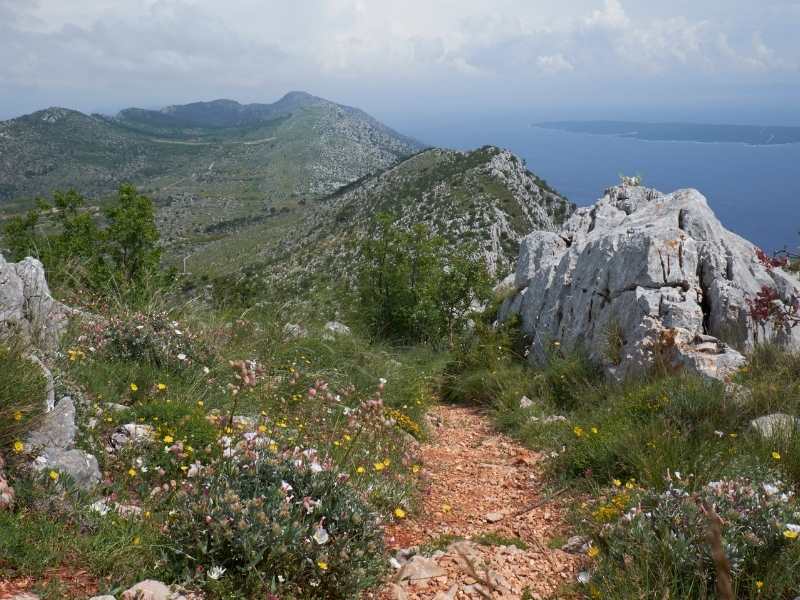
(152, 337)
(647, 531)
(292, 526)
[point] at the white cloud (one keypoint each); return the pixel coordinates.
(152, 51)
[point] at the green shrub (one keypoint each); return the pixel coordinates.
(414, 288)
(120, 258)
(276, 526)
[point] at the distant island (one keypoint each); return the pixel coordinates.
(682, 132)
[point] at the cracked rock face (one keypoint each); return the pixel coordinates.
(26, 305)
(641, 275)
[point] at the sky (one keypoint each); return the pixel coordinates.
(732, 61)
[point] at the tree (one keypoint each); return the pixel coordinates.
(74, 247)
(414, 287)
(131, 239)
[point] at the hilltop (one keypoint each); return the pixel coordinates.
(262, 154)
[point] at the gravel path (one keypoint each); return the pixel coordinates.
(479, 482)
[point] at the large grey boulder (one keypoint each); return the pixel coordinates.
(26, 306)
(641, 276)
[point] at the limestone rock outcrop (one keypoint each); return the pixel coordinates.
(26, 306)
(643, 276)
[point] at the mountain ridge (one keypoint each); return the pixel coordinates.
(300, 144)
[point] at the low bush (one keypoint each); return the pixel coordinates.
(292, 528)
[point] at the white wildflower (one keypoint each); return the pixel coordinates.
(216, 572)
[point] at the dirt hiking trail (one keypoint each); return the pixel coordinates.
(481, 486)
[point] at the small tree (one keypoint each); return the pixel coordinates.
(131, 239)
(414, 287)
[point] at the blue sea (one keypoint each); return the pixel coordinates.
(754, 190)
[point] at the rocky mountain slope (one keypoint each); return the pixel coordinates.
(643, 276)
(486, 197)
(262, 154)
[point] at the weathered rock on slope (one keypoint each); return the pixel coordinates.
(26, 306)
(642, 272)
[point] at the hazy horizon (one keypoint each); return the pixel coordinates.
(722, 62)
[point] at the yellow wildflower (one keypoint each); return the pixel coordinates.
(759, 585)
(18, 446)
(200, 403)
(595, 430)
(54, 475)
(399, 513)
(360, 470)
(593, 552)
(386, 462)
(776, 455)
(347, 437)
(790, 534)
(132, 472)
(379, 466)
(446, 508)
(415, 469)
(137, 540)
(616, 482)
(578, 431)
(134, 387)
(262, 428)
(18, 416)
(161, 387)
(168, 439)
(322, 565)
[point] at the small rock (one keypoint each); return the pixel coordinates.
(293, 331)
(774, 424)
(136, 433)
(25, 596)
(148, 589)
(525, 402)
(494, 517)
(577, 544)
(128, 510)
(334, 328)
(114, 407)
(420, 567)
(106, 597)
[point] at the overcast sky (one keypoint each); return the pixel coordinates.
(729, 60)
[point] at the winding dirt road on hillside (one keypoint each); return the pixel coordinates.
(480, 484)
